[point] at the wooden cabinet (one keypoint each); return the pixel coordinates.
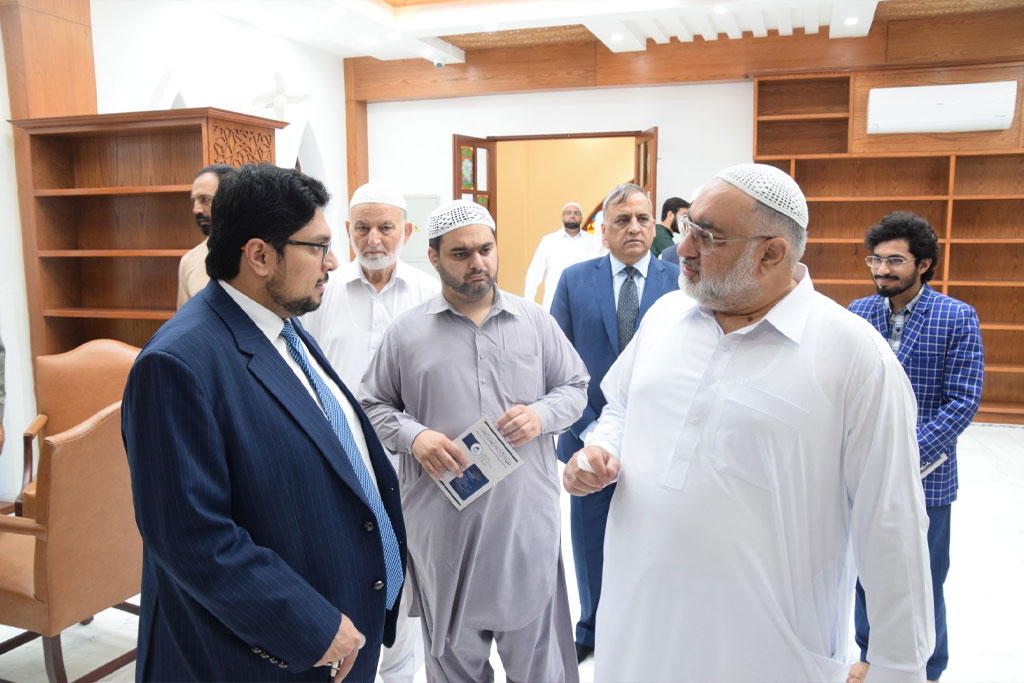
(972, 194)
(106, 215)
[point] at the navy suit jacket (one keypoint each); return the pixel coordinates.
(256, 533)
(941, 352)
(584, 306)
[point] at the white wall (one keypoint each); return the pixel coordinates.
(21, 403)
(147, 53)
(701, 129)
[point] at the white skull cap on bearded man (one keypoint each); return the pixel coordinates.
(457, 214)
(377, 192)
(770, 186)
(568, 204)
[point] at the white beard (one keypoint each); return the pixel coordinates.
(732, 290)
(377, 261)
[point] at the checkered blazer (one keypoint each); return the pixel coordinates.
(942, 355)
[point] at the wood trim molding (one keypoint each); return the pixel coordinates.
(48, 50)
(356, 147)
(975, 38)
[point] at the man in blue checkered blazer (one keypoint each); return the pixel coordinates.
(937, 339)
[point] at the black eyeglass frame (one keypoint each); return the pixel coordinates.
(325, 247)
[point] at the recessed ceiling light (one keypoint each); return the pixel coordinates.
(720, 9)
(616, 37)
(851, 21)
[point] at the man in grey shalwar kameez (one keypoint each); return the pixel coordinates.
(493, 570)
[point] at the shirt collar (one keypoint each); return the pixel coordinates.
(789, 315)
(270, 323)
(502, 302)
(566, 236)
(352, 271)
(640, 265)
(909, 308)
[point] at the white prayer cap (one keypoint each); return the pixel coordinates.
(377, 192)
(457, 214)
(770, 186)
(568, 204)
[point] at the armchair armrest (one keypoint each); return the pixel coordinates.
(25, 527)
(30, 434)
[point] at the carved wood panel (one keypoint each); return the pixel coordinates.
(235, 145)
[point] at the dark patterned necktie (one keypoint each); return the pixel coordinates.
(335, 415)
(628, 309)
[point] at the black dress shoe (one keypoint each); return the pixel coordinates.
(582, 652)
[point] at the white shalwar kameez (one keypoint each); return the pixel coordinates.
(749, 469)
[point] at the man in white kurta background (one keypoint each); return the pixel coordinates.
(366, 294)
(361, 300)
(783, 437)
(557, 251)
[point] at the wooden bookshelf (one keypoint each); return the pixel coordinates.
(970, 187)
(106, 215)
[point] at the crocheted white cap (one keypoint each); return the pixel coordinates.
(568, 204)
(457, 214)
(377, 192)
(770, 186)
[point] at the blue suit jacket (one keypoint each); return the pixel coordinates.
(584, 306)
(942, 355)
(256, 533)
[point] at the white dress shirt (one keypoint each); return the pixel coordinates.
(353, 315)
(750, 468)
(556, 252)
(271, 324)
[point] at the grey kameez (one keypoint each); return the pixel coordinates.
(494, 565)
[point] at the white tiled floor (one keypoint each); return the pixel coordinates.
(984, 591)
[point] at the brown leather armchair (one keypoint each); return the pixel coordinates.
(81, 552)
(70, 387)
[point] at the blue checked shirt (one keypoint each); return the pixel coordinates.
(940, 350)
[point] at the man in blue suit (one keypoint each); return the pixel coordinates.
(273, 539)
(937, 339)
(599, 304)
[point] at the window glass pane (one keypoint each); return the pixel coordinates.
(467, 168)
(468, 196)
(481, 169)
(483, 200)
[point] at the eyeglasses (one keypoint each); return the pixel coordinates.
(893, 261)
(705, 241)
(324, 247)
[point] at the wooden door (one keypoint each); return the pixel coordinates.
(474, 164)
(645, 163)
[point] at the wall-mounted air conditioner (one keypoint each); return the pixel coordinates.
(942, 108)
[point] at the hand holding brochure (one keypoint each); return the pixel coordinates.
(490, 457)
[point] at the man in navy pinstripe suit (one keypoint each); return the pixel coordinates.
(937, 339)
(272, 531)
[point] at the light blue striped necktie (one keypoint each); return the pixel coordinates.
(335, 415)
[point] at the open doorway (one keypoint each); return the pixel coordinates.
(525, 181)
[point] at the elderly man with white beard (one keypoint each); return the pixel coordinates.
(782, 439)
(366, 294)
(360, 302)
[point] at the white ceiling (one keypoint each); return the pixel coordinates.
(354, 28)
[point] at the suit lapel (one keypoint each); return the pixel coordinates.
(601, 285)
(912, 331)
(271, 371)
(654, 286)
(878, 316)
